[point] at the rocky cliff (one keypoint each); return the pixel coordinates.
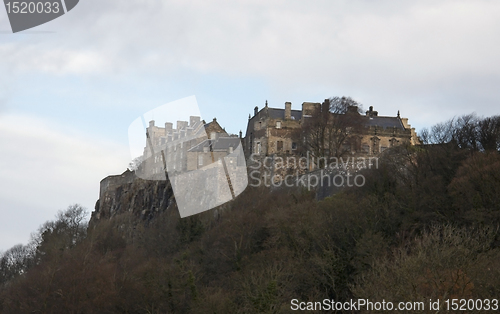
(128, 193)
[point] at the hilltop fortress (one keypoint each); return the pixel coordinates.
(271, 131)
(196, 144)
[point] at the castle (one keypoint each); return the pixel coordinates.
(271, 131)
(197, 145)
(191, 145)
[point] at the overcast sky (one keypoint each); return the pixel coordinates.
(70, 88)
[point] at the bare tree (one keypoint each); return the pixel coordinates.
(442, 133)
(465, 132)
(14, 262)
(67, 231)
(135, 163)
(331, 128)
(489, 133)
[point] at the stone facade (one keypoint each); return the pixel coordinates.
(211, 150)
(167, 148)
(270, 131)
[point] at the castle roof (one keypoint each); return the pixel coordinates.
(384, 122)
(275, 113)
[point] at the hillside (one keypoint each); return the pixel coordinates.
(424, 226)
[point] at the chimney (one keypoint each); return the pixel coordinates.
(288, 110)
(241, 134)
(168, 127)
(371, 112)
(193, 120)
(151, 123)
(325, 106)
(181, 124)
(255, 110)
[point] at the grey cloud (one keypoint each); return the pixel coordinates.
(389, 53)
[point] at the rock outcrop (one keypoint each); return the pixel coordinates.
(128, 193)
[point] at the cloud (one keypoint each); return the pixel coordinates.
(406, 50)
(37, 57)
(270, 39)
(427, 54)
(45, 169)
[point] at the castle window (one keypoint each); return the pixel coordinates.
(278, 125)
(200, 160)
(294, 146)
(279, 146)
(257, 147)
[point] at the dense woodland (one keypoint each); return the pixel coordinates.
(425, 225)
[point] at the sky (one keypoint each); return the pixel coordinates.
(70, 88)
